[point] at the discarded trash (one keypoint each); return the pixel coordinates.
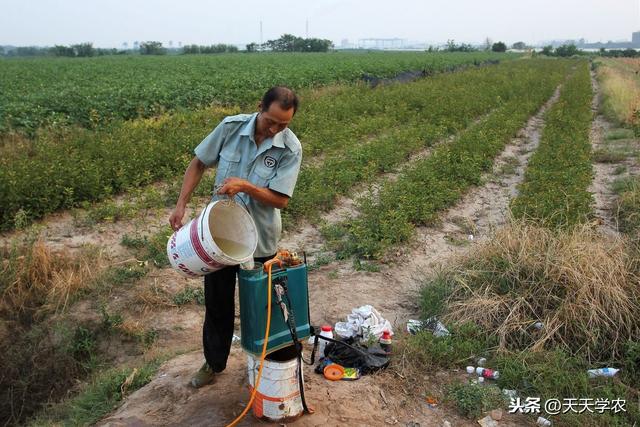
(438, 328)
(385, 341)
(488, 373)
(333, 372)
(543, 422)
(538, 325)
(363, 322)
(603, 372)
(325, 331)
(235, 339)
(470, 237)
(496, 414)
(470, 369)
(414, 326)
(482, 361)
(487, 422)
(511, 394)
(351, 374)
(432, 324)
(480, 380)
(432, 401)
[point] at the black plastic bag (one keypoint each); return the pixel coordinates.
(367, 359)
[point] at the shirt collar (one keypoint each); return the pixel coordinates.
(249, 130)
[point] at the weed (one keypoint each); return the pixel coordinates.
(472, 400)
(509, 166)
(319, 260)
(608, 155)
(100, 396)
(619, 170)
(189, 295)
(465, 342)
(619, 133)
(371, 267)
(110, 321)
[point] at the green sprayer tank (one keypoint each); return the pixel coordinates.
(253, 308)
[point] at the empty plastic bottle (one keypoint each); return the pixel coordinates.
(325, 331)
(602, 372)
(487, 373)
(385, 341)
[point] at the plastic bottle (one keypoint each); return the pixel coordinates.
(603, 372)
(543, 422)
(385, 341)
(488, 373)
(325, 331)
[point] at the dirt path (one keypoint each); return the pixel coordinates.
(335, 289)
(608, 166)
(604, 173)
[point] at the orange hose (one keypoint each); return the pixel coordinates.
(264, 350)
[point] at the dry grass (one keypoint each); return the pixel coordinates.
(621, 93)
(35, 280)
(582, 285)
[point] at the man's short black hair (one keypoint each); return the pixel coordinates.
(284, 96)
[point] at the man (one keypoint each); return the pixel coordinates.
(258, 158)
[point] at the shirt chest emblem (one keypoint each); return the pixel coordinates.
(270, 162)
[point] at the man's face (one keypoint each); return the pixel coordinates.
(274, 120)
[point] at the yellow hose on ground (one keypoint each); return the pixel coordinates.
(269, 264)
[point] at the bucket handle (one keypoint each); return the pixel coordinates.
(230, 199)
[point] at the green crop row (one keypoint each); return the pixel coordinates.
(349, 133)
(401, 120)
(91, 91)
(431, 185)
(554, 191)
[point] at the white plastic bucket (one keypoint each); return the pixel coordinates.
(223, 234)
(278, 396)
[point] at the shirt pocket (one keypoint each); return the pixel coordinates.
(262, 174)
(228, 166)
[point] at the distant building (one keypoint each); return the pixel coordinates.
(633, 44)
(382, 44)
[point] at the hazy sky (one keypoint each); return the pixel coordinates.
(109, 23)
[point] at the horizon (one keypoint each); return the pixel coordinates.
(110, 24)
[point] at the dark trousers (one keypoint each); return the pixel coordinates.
(219, 300)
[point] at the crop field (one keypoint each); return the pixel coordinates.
(92, 91)
(473, 192)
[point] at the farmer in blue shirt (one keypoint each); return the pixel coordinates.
(258, 158)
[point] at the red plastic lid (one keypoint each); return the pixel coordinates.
(386, 334)
(326, 328)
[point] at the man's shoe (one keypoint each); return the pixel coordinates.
(203, 377)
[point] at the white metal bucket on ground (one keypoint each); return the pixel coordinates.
(278, 397)
(223, 234)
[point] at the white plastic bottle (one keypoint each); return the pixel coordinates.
(325, 331)
(602, 372)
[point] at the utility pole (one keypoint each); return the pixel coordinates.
(261, 41)
(307, 28)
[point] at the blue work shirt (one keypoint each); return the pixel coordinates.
(275, 165)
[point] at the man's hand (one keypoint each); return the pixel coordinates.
(232, 186)
(175, 220)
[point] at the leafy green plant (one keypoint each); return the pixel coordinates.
(189, 295)
(472, 400)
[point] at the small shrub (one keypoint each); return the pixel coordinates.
(189, 295)
(473, 400)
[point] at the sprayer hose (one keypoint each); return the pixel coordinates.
(264, 351)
